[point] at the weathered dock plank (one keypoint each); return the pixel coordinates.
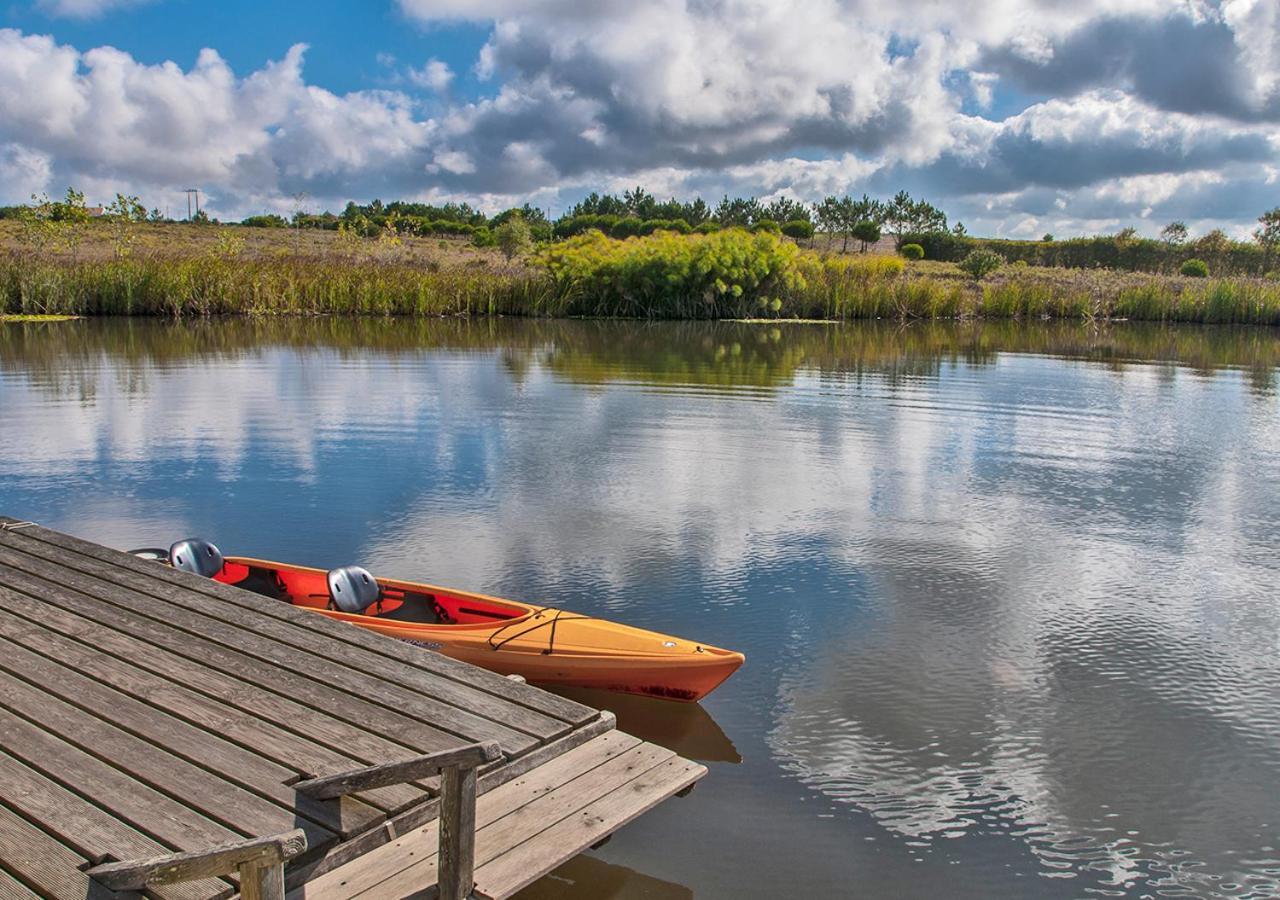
(138, 594)
(471, 710)
(13, 889)
(451, 670)
(526, 827)
(275, 726)
(162, 723)
(84, 828)
(243, 788)
(37, 859)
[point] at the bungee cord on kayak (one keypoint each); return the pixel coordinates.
(551, 642)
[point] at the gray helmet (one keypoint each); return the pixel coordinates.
(196, 555)
(352, 589)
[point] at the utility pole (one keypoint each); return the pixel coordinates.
(190, 192)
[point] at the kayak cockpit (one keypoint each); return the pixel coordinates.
(416, 604)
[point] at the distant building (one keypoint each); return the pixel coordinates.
(96, 212)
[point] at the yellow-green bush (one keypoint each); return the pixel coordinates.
(720, 275)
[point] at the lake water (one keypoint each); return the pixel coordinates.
(1008, 594)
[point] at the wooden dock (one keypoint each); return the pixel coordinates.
(146, 712)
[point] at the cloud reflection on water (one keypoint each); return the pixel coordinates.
(982, 593)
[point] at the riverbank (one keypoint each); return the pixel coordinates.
(730, 274)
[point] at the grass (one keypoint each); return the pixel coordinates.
(187, 270)
(35, 318)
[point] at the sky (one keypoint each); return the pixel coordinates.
(1017, 117)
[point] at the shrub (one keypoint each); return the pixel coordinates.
(707, 228)
(1195, 268)
(268, 220)
(671, 275)
(483, 237)
(625, 228)
(798, 229)
(513, 237)
(768, 225)
(981, 263)
(571, 225)
(912, 251)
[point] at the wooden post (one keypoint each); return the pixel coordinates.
(457, 832)
(261, 882)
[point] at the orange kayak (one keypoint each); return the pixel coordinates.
(542, 644)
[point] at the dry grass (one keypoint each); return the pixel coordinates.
(181, 240)
(183, 269)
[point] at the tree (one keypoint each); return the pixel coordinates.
(1213, 246)
(45, 222)
(1125, 236)
(841, 215)
(1268, 234)
(639, 203)
(981, 263)
(531, 214)
(866, 210)
(959, 230)
(798, 229)
(739, 212)
(830, 218)
(784, 209)
(124, 213)
(866, 232)
(1174, 234)
(905, 216)
(1048, 238)
(514, 237)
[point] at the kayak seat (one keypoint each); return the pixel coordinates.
(263, 581)
(417, 608)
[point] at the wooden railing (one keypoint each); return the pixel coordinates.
(457, 769)
(260, 862)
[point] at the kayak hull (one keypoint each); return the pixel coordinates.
(685, 680)
(543, 645)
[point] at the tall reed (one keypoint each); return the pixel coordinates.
(730, 274)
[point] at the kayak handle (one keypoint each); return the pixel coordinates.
(155, 554)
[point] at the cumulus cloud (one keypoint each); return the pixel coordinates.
(743, 96)
(154, 128)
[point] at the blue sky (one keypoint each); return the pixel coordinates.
(1016, 116)
(348, 41)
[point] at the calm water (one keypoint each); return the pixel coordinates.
(1007, 593)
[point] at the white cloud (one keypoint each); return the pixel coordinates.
(85, 9)
(435, 76)
(156, 128)
(751, 96)
(24, 171)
